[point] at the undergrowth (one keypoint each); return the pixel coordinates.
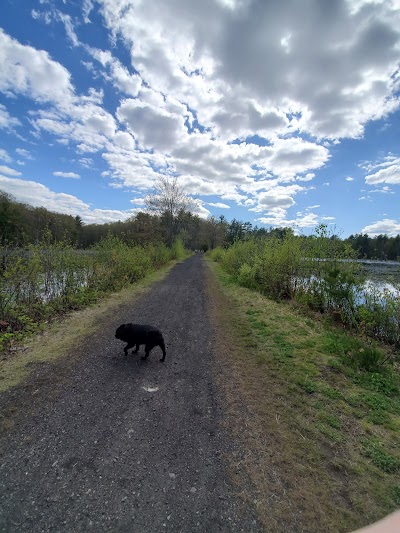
(49, 279)
(325, 406)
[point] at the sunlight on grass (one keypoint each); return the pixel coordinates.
(323, 403)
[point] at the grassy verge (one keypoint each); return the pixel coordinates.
(320, 437)
(62, 336)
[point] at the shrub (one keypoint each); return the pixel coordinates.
(217, 254)
(241, 252)
(178, 250)
(379, 316)
(47, 278)
(246, 276)
(277, 267)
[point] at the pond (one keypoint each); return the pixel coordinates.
(381, 276)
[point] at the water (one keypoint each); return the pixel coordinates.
(382, 277)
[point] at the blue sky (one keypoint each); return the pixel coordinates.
(277, 113)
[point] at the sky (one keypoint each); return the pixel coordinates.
(282, 114)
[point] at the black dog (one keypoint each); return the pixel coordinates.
(137, 334)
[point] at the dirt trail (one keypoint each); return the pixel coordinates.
(126, 444)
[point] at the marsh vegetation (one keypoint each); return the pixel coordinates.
(322, 274)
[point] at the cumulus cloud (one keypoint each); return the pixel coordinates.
(243, 100)
(30, 72)
(198, 208)
(38, 195)
(127, 82)
(278, 218)
(152, 127)
(386, 226)
(329, 67)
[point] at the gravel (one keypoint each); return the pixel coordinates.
(125, 444)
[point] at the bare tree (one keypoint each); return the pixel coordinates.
(170, 202)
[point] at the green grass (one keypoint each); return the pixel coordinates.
(380, 457)
(335, 393)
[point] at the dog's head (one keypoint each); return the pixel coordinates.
(120, 333)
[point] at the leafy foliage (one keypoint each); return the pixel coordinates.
(49, 278)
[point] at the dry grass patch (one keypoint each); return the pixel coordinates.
(320, 438)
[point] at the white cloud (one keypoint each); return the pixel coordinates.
(119, 75)
(4, 156)
(9, 171)
(197, 207)
(383, 227)
(152, 127)
(268, 201)
(24, 153)
(86, 162)
(330, 70)
(38, 195)
(6, 120)
(278, 219)
(390, 174)
(308, 177)
(219, 205)
(383, 190)
(87, 8)
(30, 72)
(66, 175)
(298, 79)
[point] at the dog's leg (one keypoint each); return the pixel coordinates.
(148, 347)
(162, 346)
(128, 347)
(136, 349)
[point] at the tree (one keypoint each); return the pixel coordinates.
(170, 203)
(10, 223)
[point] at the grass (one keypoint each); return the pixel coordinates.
(62, 336)
(317, 413)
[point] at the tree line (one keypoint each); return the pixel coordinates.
(167, 217)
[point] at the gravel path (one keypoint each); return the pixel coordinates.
(125, 444)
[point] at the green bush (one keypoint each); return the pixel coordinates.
(241, 252)
(379, 316)
(217, 254)
(246, 276)
(178, 251)
(277, 267)
(47, 279)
